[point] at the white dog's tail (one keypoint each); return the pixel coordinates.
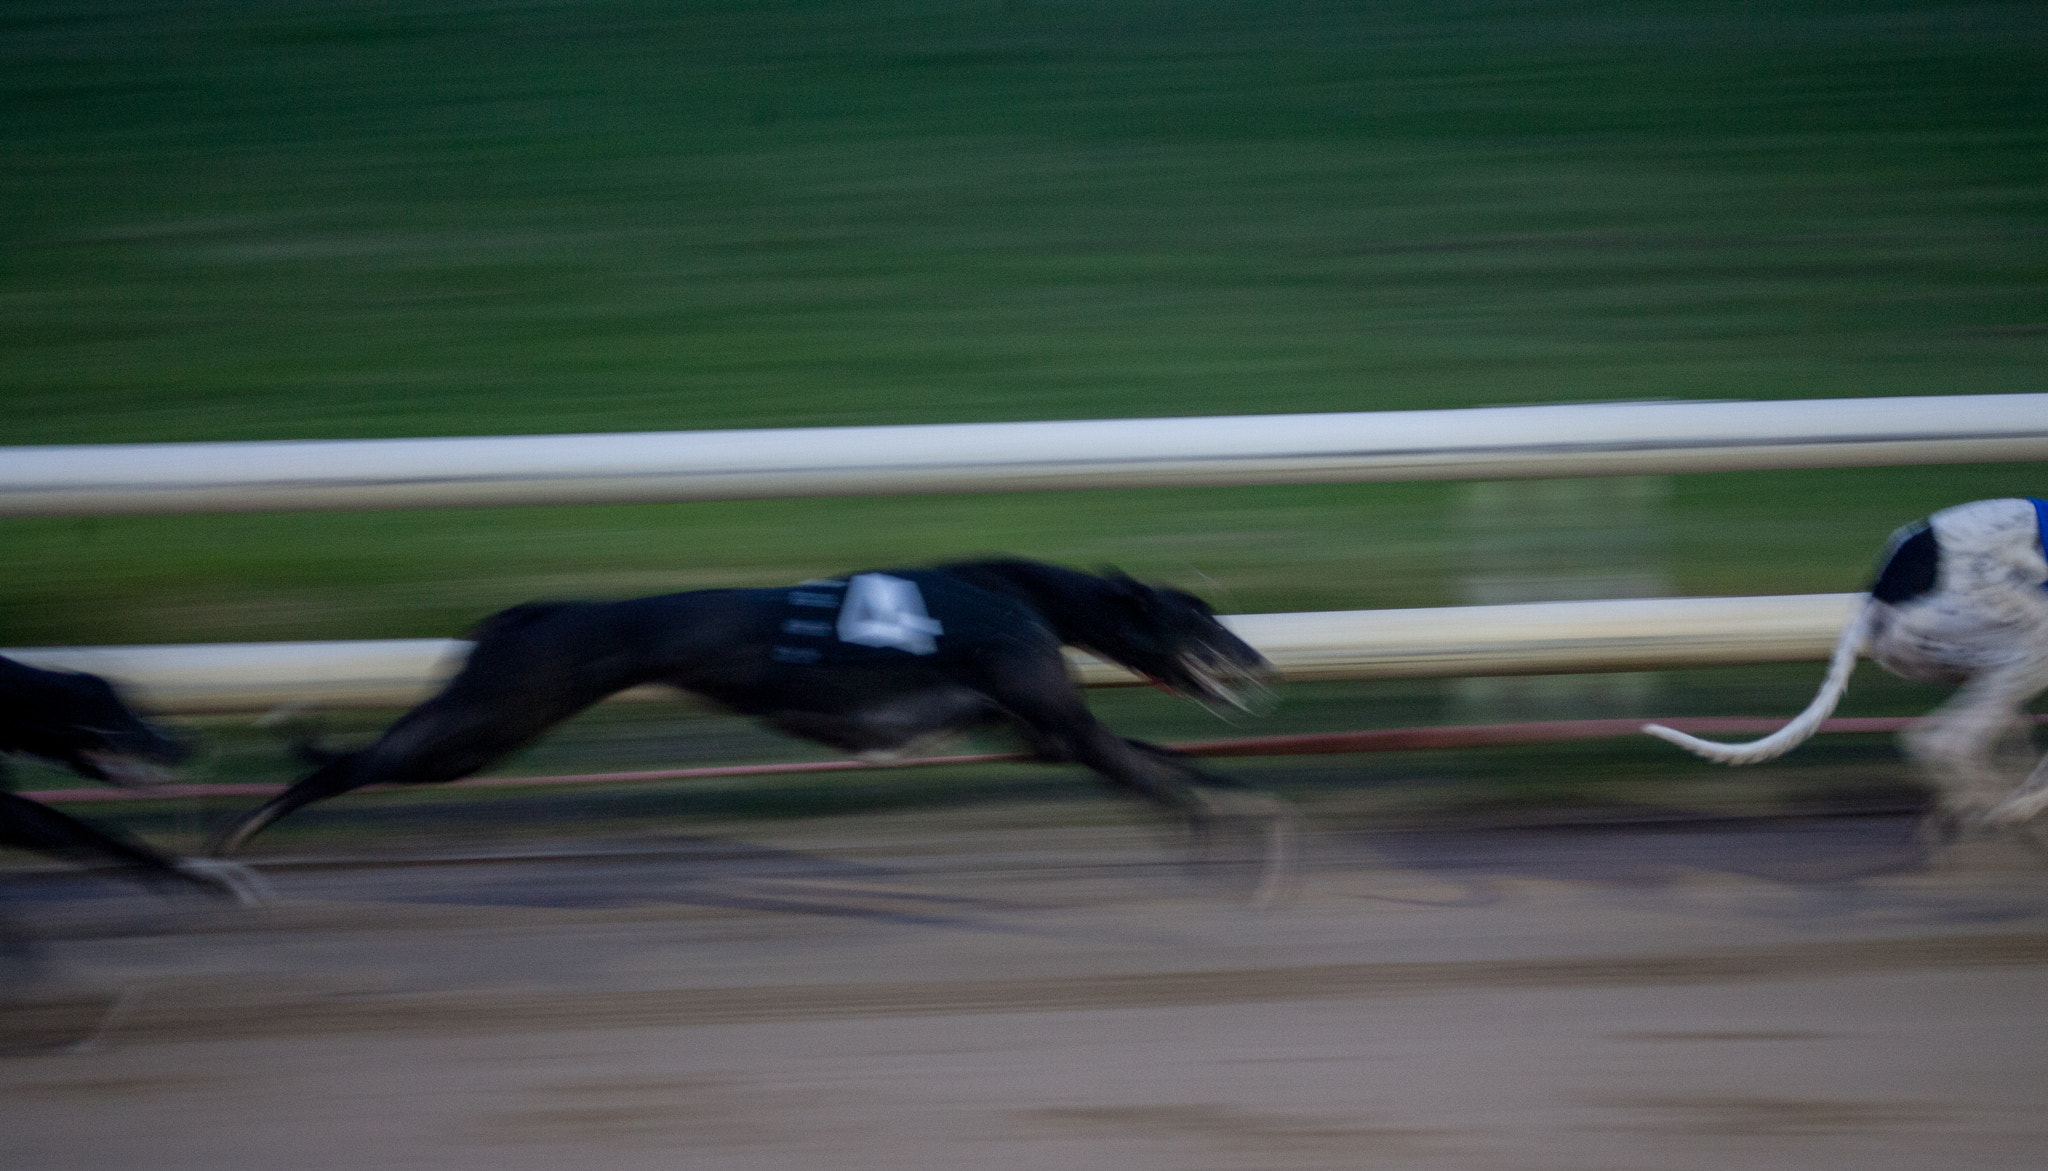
(1803, 725)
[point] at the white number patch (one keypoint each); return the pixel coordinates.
(887, 611)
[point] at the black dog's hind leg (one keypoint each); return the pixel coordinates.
(424, 748)
(532, 667)
(469, 726)
(333, 778)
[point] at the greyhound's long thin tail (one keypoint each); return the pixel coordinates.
(1778, 743)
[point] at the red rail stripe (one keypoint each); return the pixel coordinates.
(1310, 744)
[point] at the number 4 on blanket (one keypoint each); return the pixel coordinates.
(885, 611)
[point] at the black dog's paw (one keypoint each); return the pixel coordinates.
(230, 880)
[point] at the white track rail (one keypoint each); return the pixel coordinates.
(1533, 638)
(1484, 443)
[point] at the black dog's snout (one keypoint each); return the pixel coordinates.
(143, 741)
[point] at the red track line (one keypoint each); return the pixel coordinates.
(1311, 744)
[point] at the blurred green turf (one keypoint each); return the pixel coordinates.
(337, 218)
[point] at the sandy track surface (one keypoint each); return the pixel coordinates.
(930, 993)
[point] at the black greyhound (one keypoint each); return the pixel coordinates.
(79, 721)
(867, 663)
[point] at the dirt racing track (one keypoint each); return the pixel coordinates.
(957, 990)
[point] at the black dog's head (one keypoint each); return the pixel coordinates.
(79, 721)
(1173, 639)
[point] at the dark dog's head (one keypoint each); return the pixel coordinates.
(1173, 639)
(79, 721)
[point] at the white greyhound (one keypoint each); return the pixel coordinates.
(1962, 599)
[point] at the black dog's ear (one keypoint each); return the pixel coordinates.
(1130, 587)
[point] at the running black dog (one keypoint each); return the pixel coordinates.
(867, 664)
(78, 721)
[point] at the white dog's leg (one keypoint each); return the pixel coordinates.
(2026, 802)
(2030, 797)
(1957, 746)
(1952, 747)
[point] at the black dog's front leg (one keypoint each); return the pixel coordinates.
(1173, 758)
(1211, 805)
(1060, 729)
(32, 826)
